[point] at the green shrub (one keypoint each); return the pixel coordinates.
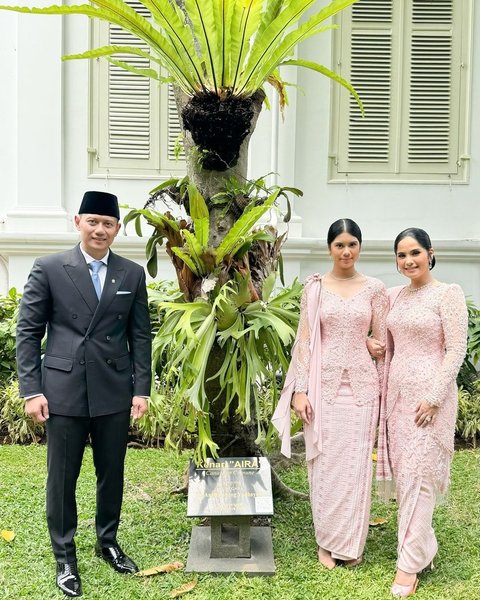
(468, 418)
(468, 371)
(153, 428)
(9, 305)
(13, 421)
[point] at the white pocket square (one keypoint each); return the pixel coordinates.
(122, 292)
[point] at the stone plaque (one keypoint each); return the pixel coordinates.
(230, 487)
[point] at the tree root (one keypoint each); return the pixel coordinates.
(180, 490)
(283, 490)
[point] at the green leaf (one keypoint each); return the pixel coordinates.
(268, 286)
(195, 250)
(152, 263)
(186, 259)
(203, 18)
(198, 206)
(138, 226)
(243, 30)
(165, 184)
(272, 10)
(135, 70)
(235, 237)
(133, 214)
(271, 49)
(119, 13)
(179, 43)
(110, 50)
(199, 214)
(324, 71)
(223, 10)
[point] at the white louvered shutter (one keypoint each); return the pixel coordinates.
(406, 60)
(134, 127)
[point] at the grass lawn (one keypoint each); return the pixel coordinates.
(155, 530)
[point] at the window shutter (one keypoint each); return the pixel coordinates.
(134, 125)
(171, 132)
(129, 114)
(405, 61)
(433, 90)
(369, 61)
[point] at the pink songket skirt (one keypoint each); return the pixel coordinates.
(341, 476)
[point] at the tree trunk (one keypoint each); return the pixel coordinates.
(210, 182)
(232, 437)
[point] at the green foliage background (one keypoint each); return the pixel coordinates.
(160, 420)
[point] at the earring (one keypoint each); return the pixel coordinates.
(430, 263)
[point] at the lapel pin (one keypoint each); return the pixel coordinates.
(113, 280)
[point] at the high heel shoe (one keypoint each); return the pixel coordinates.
(402, 591)
(325, 558)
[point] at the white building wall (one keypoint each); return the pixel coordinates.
(44, 166)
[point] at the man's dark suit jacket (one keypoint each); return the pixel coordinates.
(98, 353)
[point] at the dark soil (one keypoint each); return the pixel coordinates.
(218, 127)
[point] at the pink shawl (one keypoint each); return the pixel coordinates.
(281, 418)
(384, 474)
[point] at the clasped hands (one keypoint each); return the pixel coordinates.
(424, 415)
(300, 402)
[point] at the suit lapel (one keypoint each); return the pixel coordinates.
(79, 273)
(113, 280)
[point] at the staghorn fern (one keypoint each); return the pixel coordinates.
(224, 47)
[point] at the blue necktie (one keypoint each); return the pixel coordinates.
(95, 267)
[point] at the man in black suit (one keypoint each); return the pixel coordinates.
(94, 375)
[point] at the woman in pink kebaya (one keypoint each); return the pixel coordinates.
(426, 345)
(334, 388)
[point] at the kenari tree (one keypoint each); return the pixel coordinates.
(227, 338)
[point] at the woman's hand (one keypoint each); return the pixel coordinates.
(376, 348)
(302, 407)
(425, 414)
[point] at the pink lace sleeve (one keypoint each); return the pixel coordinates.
(453, 312)
(302, 362)
(379, 324)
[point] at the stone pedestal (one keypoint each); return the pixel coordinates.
(230, 491)
(260, 562)
(230, 537)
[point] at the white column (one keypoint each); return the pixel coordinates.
(8, 112)
(38, 203)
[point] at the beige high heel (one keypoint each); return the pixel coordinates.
(402, 591)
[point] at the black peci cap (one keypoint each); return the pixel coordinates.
(99, 203)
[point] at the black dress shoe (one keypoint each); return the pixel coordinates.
(68, 579)
(115, 557)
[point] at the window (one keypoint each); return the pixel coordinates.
(409, 62)
(134, 126)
